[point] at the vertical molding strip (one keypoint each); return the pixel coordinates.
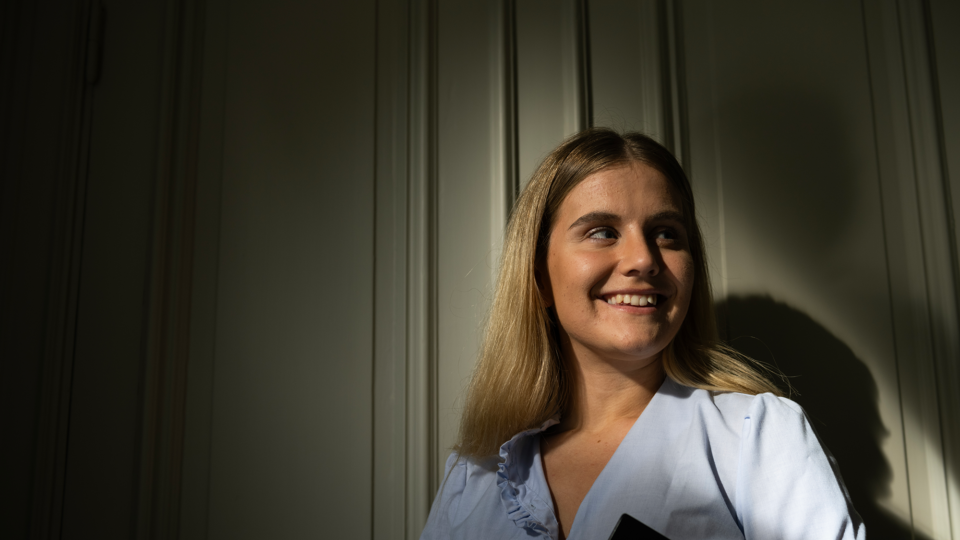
(405, 340)
(572, 70)
(723, 321)
(391, 325)
(505, 186)
(167, 335)
(675, 90)
(655, 71)
(584, 73)
(421, 477)
(509, 133)
(197, 463)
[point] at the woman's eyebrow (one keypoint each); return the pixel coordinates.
(594, 217)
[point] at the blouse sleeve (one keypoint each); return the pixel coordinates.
(787, 486)
(451, 489)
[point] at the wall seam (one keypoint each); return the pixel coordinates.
(373, 250)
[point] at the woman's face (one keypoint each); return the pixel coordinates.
(617, 242)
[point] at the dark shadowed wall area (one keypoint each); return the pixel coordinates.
(247, 248)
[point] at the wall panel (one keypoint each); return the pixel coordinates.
(551, 76)
(627, 67)
(290, 448)
(472, 191)
(102, 456)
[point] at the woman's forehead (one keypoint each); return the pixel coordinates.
(634, 185)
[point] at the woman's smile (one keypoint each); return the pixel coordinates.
(618, 271)
(638, 299)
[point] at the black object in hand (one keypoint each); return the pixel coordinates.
(629, 528)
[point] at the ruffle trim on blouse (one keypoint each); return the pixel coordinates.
(510, 486)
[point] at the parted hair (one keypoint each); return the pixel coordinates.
(519, 379)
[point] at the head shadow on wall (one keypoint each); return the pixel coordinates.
(835, 388)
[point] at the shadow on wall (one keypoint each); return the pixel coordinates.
(837, 391)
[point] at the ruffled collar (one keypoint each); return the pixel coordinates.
(523, 501)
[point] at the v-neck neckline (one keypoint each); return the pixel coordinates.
(631, 433)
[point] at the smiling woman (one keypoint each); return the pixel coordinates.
(602, 388)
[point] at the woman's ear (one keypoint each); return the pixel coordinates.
(543, 284)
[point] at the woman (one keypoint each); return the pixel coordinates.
(602, 388)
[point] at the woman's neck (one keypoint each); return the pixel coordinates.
(604, 393)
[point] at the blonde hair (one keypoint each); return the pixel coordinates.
(518, 382)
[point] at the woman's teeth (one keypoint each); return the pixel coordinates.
(633, 299)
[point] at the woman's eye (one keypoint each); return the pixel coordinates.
(602, 234)
(666, 234)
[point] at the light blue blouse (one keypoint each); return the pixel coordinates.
(695, 465)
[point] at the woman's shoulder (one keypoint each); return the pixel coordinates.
(467, 473)
(772, 444)
(465, 479)
(510, 485)
(731, 416)
(735, 407)
(744, 405)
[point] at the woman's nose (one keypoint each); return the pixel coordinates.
(639, 257)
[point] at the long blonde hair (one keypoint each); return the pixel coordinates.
(518, 382)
